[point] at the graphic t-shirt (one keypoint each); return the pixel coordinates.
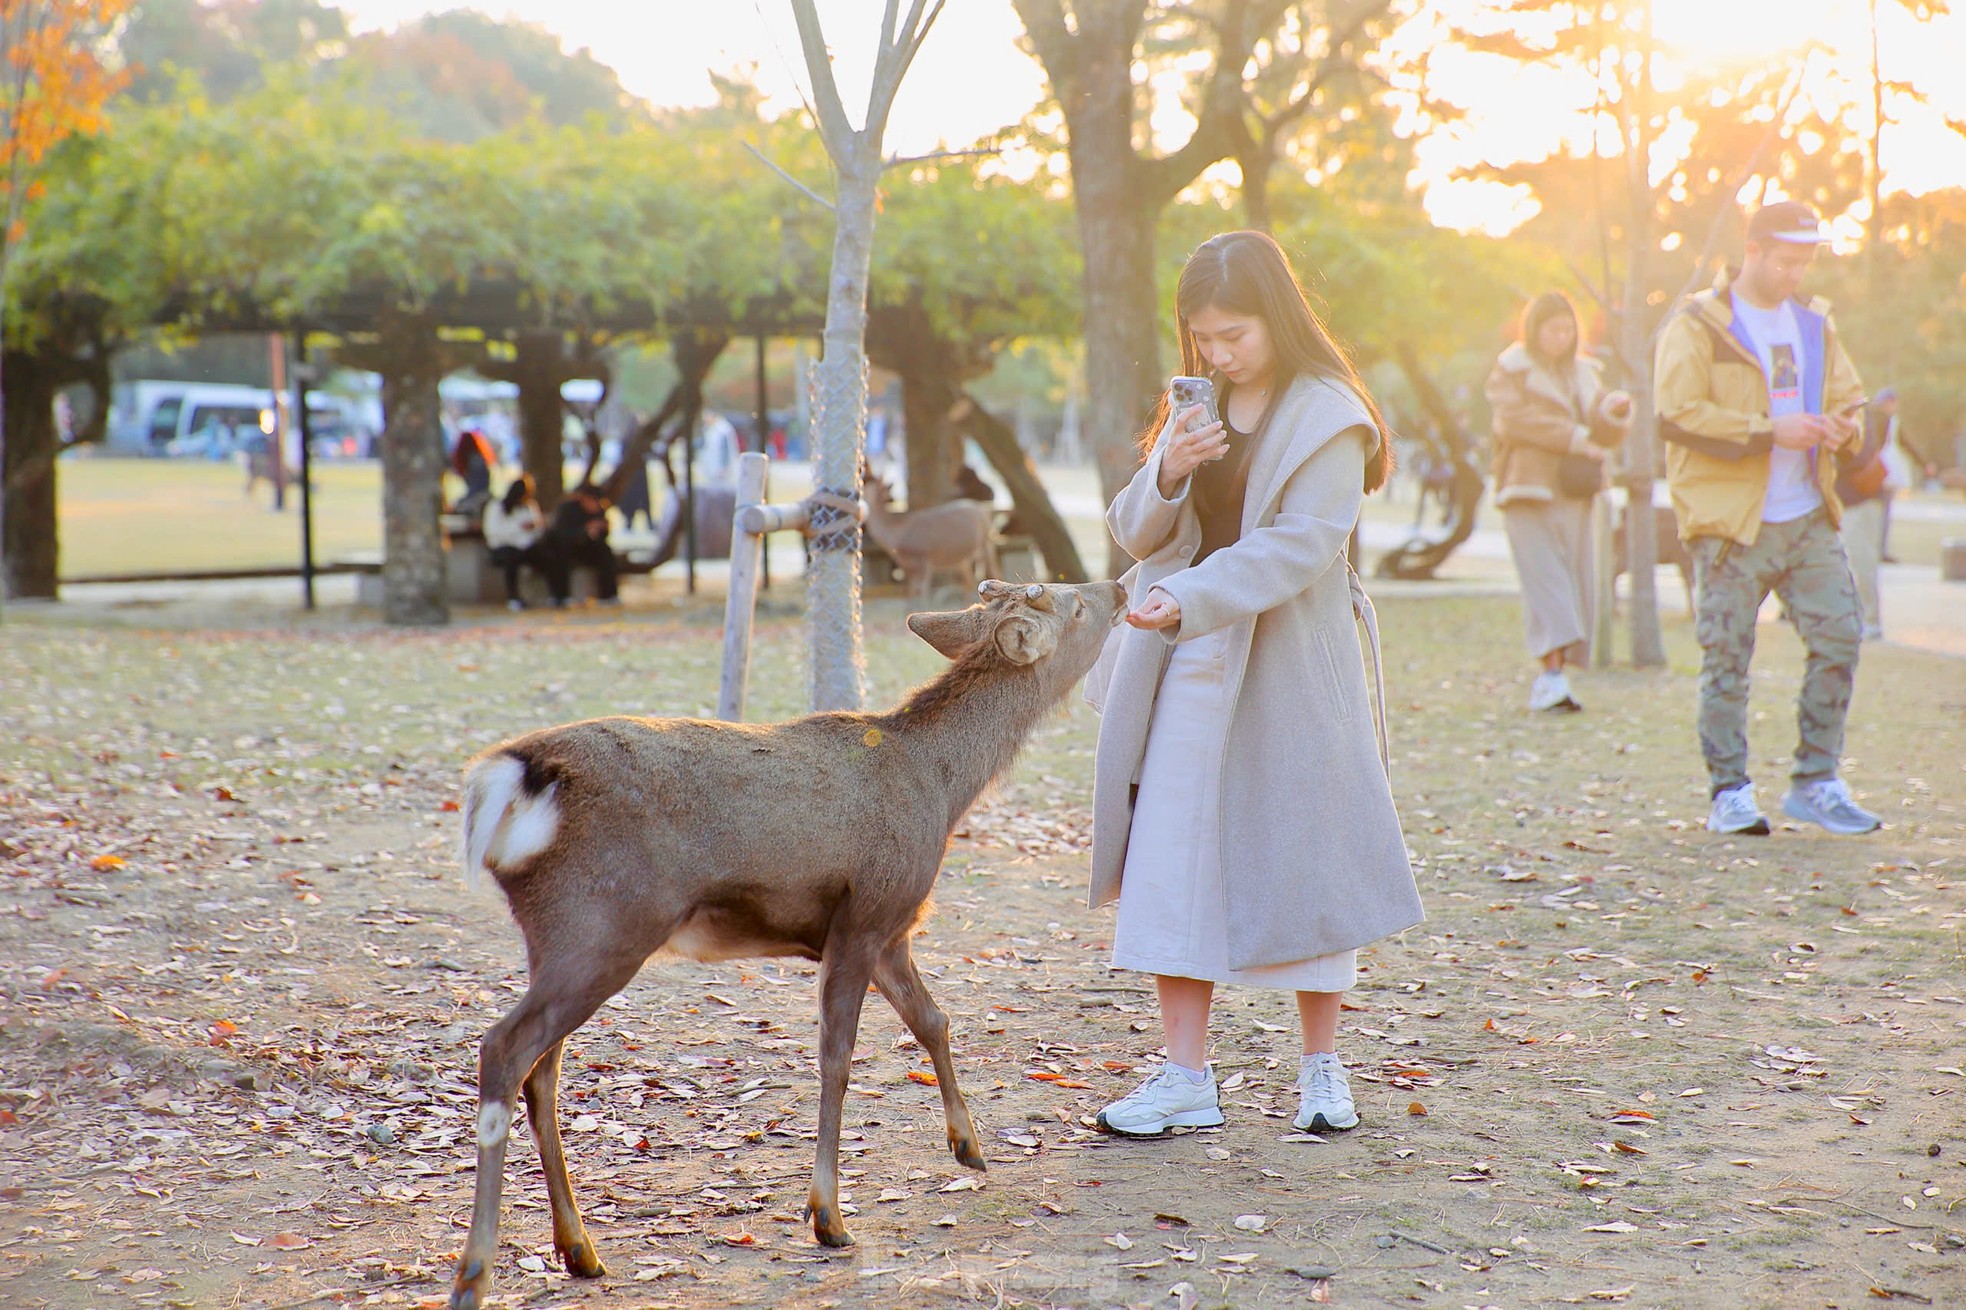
(1777, 338)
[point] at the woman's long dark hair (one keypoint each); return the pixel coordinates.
(518, 493)
(1247, 273)
(1540, 311)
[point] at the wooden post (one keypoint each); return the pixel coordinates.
(764, 448)
(740, 603)
(1604, 610)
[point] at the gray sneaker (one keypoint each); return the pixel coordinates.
(1324, 1096)
(1827, 804)
(1551, 691)
(1167, 1099)
(1735, 812)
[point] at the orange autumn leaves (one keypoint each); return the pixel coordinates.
(52, 82)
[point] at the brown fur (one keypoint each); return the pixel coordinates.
(955, 536)
(818, 838)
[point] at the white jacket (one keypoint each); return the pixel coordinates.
(517, 528)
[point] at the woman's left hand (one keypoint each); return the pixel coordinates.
(1160, 611)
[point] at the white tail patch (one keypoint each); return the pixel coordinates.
(502, 825)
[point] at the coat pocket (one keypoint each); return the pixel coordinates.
(1325, 660)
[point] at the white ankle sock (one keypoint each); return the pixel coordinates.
(1192, 1075)
(1309, 1060)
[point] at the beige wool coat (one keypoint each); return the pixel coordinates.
(1311, 846)
(1536, 420)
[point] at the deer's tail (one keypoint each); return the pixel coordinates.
(506, 821)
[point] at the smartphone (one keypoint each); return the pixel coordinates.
(1184, 393)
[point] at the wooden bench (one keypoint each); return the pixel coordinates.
(470, 577)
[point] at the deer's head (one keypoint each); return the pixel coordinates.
(1055, 628)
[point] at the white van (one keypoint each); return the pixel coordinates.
(187, 418)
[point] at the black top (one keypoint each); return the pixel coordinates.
(1219, 489)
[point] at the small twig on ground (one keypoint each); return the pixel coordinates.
(1421, 1241)
(327, 1292)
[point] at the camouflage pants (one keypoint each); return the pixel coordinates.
(1803, 563)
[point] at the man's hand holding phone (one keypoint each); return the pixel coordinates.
(1801, 431)
(1194, 442)
(1847, 426)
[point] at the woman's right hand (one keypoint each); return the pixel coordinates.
(1192, 445)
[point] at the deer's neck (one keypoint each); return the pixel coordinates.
(967, 725)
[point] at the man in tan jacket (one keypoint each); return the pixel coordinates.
(1756, 398)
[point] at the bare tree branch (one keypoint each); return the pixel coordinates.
(834, 128)
(807, 191)
(901, 161)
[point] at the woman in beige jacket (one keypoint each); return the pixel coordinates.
(1242, 812)
(1554, 425)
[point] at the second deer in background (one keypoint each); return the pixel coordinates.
(954, 537)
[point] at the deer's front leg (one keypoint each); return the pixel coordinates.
(895, 974)
(842, 991)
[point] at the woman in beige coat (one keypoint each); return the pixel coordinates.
(1242, 813)
(1550, 409)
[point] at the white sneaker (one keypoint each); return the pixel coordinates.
(1828, 805)
(1735, 811)
(1873, 632)
(1167, 1099)
(1324, 1095)
(515, 604)
(1551, 691)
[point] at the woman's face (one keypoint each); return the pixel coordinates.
(1235, 345)
(1556, 336)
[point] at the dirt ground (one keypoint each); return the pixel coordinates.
(241, 982)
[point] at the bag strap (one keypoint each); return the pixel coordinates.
(1362, 609)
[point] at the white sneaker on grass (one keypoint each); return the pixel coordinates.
(1167, 1099)
(1551, 691)
(1324, 1095)
(1735, 812)
(1828, 805)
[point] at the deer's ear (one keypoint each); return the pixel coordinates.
(951, 633)
(1024, 640)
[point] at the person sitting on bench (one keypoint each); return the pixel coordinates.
(515, 534)
(580, 527)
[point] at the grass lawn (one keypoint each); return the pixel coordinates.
(129, 516)
(1623, 1061)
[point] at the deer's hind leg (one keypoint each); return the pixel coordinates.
(570, 1240)
(848, 966)
(566, 989)
(895, 974)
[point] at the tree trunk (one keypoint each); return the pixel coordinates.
(32, 549)
(1122, 331)
(927, 395)
(413, 566)
(539, 369)
(1027, 492)
(1256, 165)
(1648, 645)
(839, 427)
(695, 352)
(900, 338)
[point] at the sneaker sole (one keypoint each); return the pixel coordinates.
(1759, 828)
(1841, 830)
(1320, 1124)
(1185, 1119)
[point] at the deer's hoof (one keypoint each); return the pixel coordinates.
(468, 1293)
(968, 1154)
(581, 1262)
(827, 1228)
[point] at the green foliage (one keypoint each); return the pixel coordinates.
(988, 259)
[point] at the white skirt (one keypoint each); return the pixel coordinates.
(1174, 909)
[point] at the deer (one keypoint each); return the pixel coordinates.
(818, 838)
(955, 535)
